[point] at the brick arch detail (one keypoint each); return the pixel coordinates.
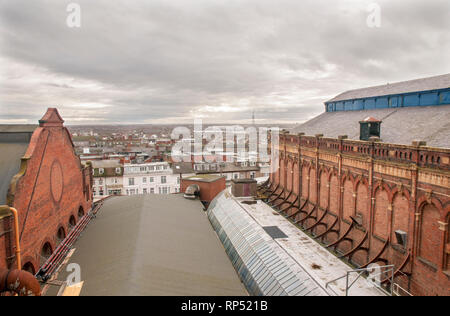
(427, 240)
(31, 261)
(381, 211)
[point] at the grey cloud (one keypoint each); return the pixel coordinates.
(151, 60)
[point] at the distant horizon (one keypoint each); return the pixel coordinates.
(173, 124)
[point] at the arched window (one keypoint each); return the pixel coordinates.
(80, 212)
(61, 234)
(29, 268)
(46, 252)
(72, 222)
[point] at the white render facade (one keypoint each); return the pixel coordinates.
(150, 178)
(107, 178)
(104, 186)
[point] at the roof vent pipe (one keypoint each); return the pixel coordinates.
(192, 192)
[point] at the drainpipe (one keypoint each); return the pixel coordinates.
(6, 211)
(17, 281)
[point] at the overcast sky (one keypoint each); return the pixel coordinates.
(170, 61)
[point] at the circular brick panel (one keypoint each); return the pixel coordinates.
(56, 181)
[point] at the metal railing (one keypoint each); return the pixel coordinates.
(397, 290)
(374, 275)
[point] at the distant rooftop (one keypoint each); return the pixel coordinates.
(16, 133)
(423, 84)
(204, 177)
(17, 128)
(153, 245)
(109, 163)
(183, 167)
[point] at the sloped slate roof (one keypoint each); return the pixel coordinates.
(14, 140)
(17, 128)
(9, 165)
(399, 126)
(424, 84)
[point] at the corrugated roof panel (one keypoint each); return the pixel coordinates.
(260, 262)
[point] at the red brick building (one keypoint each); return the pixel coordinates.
(369, 201)
(210, 186)
(44, 180)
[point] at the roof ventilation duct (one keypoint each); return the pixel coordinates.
(192, 192)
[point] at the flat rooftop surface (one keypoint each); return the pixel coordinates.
(312, 257)
(153, 245)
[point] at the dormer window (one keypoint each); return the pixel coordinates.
(370, 127)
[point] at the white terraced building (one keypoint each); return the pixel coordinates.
(150, 178)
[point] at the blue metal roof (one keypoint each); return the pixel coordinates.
(421, 92)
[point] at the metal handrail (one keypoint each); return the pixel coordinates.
(361, 271)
